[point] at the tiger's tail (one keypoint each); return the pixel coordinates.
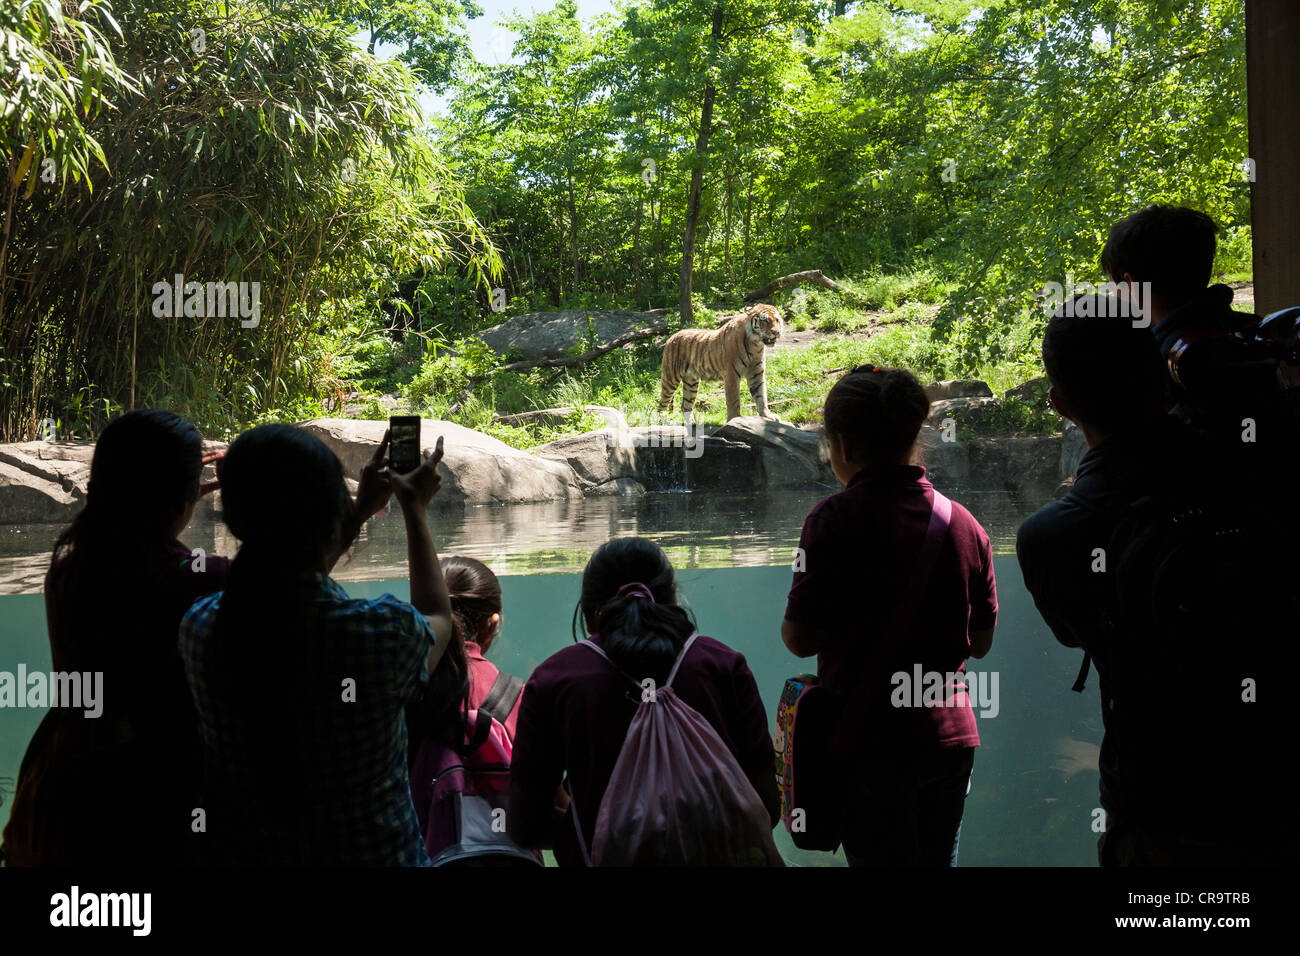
(668, 377)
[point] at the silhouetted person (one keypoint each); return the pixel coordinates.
(1141, 566)
(120, 786)
(1222, 381)
(301, 690)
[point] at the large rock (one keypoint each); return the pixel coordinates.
(980, 415)
(604, 461)
(66, 464)
(540, 335)
(745, 454)
(958, 388)
(786, 455)
(46, 482)
(1024, 467)
(26, 498)
(1032, 392)
(475, 468)
(947, 463)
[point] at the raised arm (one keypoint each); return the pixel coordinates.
(429, 594)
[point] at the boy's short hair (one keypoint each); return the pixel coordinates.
(1108, 373)
(1172, 247)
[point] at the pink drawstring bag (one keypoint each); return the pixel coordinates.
(677, 796)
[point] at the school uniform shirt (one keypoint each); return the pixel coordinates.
(576, 712)
(859, 552)
(304, 738)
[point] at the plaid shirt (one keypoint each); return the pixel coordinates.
(304, 737)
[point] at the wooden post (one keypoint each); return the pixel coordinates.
(1273, 105)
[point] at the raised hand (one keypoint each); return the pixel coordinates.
(417, 488)
(375, 486)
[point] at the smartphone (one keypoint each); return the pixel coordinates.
(403, 443)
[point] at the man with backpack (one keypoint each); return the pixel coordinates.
(1164, 577)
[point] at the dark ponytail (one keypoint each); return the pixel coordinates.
(877, 413)
(475, 596)
(642, 635)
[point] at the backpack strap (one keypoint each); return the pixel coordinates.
(681, 655)
(1083, 673)
(502, 696)
(935, 532)
(671, 674)
(478, 736)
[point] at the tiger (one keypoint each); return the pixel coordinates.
(726, 353)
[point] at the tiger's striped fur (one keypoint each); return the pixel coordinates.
(728, 353)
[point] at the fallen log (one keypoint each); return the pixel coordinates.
(814, 276)
(560, 362)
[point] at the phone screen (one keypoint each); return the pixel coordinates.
(404, 443)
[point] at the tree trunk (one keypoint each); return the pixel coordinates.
(749, 207)
(697, 180)
(726, 235)
(814, 276)
(636, 247)
(573, 234)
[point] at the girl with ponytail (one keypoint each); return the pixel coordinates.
(476, 610)
(577, 709)
(893, 581)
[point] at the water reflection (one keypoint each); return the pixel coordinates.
(697, 530)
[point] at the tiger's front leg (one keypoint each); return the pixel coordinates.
(731, 387)
(758, 391)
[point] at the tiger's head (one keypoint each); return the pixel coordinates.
(764, 323)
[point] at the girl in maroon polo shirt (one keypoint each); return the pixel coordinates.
(909, 750)
(577, 709)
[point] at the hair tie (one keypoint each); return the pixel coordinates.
(636, 589)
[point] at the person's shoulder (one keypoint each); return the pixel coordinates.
(1046, 521)
(564, 665)
(385, 611)
(723, 656)
(962, 520)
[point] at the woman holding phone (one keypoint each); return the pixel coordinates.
(300, 689)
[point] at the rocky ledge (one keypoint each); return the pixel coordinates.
(45, 482)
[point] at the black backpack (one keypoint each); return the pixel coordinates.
(1202, 613)
(1205, 571)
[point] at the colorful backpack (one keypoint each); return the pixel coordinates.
(808, 713)
(462, 795)
(677, 796)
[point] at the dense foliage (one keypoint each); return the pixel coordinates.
(223, 143)
(943, 158)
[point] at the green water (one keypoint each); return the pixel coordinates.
(1035, 780)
